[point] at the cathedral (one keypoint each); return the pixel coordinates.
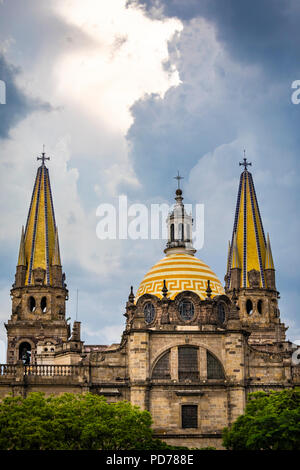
(192, 349)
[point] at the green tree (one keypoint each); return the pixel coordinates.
(271, 422)
(74, 422)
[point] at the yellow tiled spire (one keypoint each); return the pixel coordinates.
(248, 247)
(269, 263)
(40, 232)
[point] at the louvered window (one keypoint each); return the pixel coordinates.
(189, 416)
(188, 363)
(162, 368)
(214, 367)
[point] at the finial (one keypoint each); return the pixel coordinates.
(43, 157)
(208, 290)
(131, 295)
(178, 178)
(244, 163)
(164, 289)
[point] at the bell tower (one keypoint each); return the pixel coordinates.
(39, 292)
(250, 268)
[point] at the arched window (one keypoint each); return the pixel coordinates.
(172, 234)
(31, 304)
(249, 307)
(186, 310)
(44, 304)
(221, 312)
(162, 367)
(25, 353)
(188, 363)
(259, 306)
(181, 232)
(214, 367)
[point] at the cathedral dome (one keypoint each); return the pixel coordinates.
(182, 272)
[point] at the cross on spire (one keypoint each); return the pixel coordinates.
(43, 157)
(244, 163)
(178, 178)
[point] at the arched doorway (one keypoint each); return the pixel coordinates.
(25, 353)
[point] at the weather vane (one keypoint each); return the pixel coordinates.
(43, 157)
(178, 178)
(244, 162)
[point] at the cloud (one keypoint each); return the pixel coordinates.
(122, 66)
(262, 32)
(206, 110)
(18, 105)
(80, 131)
(91, 72)
(107, 335)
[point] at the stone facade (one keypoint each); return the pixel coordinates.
(190, 360)
(132, 370)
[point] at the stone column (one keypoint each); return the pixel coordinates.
(174, 363)
(203, 363)
(138, 362)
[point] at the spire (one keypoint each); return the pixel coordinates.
(269, 263)
(180, 225)
(40, 239)
(22, 258)
(248, 246)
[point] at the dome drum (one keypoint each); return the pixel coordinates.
(187, 309)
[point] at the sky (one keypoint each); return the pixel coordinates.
(123, 94)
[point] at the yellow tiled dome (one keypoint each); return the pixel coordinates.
(181, 272)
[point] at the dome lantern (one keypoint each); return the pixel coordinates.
(180, 225)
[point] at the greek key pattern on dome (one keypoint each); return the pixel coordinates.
(178, 285)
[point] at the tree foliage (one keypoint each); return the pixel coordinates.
(74, 422)
(271, 422)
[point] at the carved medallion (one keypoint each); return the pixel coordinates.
(254, 278)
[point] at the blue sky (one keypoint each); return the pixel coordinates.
(124, 94)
